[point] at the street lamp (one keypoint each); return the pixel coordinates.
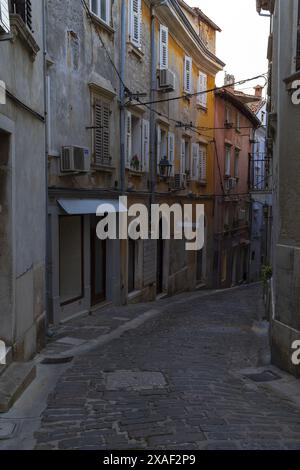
(165, 168)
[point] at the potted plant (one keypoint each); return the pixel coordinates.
(135, 163)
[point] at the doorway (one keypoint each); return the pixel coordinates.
(160, 262)
(131, 265)
(98, 265)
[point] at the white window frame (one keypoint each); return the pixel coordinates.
(188, 74)
(202, 86)
(145, 145)
(4, 17)
(163, 47)
(135, 20)
(128, 138)
(195, 170)
(171, 151)
(106, 20)
(228, 151)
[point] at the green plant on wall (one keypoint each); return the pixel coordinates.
(266, 273)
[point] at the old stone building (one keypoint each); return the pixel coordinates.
(103, 66)
(22, 179)
(283, 146)
(235, 125)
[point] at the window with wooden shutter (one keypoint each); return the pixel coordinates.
(188, 65)
(202, 88)
(182, 157)
(102, 132)
(23, 8)
(227, 160)
(195, 162)
(145, 144)
(4, 17)
(163, 47)
(171, 151)
(128, 144)
(135, 20)
(202, 164)
(158, 148)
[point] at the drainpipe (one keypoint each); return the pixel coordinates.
(152, 113)
(46, 159)
(122, 97)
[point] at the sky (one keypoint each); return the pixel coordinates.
(242, 44)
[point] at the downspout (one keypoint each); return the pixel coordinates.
(122, 97)
(152, 112)
(46, 161)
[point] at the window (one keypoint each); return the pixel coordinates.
(238, 121)
(171, 151)
(202, 86)
(102, 115)
(185, 157)
(227, 115)
(162, 146)
(70, 258)
(23, 8)
(195, 173)
(298, 40)
(135, 22)
(227, 160)
(4, 16)
(163, 47)
(188, 78)
(203, 164)
(236, 163)
(137, 143)
(101, 8)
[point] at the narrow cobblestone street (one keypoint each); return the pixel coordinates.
(183, 388)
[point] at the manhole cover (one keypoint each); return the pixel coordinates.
(6, 430)
(265, 376)
(134, 380)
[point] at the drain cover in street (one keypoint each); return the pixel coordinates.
(6, 430)
(134, 380)
(265, 376)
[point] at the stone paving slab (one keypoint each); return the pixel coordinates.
(201, 346)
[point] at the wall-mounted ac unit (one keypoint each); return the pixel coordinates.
(180, 181)
(4, 17)
(166, 80)
(75, 160)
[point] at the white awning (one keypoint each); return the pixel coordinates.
(91, 206)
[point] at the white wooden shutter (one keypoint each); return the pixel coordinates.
(106, 134)
(202, 87)
(203, 164)
(188, 63)
(135, 21)
(163, 47)
(171, 151)
(4, 16)
(128, 145)
(182, 157)
(195, 162)
(145, 145)
(158, 148)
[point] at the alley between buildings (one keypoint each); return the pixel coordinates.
(192, 381)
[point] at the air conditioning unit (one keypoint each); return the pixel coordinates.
(166, 80)
(75, 160)
(180, 181)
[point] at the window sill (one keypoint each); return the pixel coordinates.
(101, 23)
(104, 167)
(19, 28)
(202, 108)
(133, 49)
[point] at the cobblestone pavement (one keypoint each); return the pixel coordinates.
(182, 388)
